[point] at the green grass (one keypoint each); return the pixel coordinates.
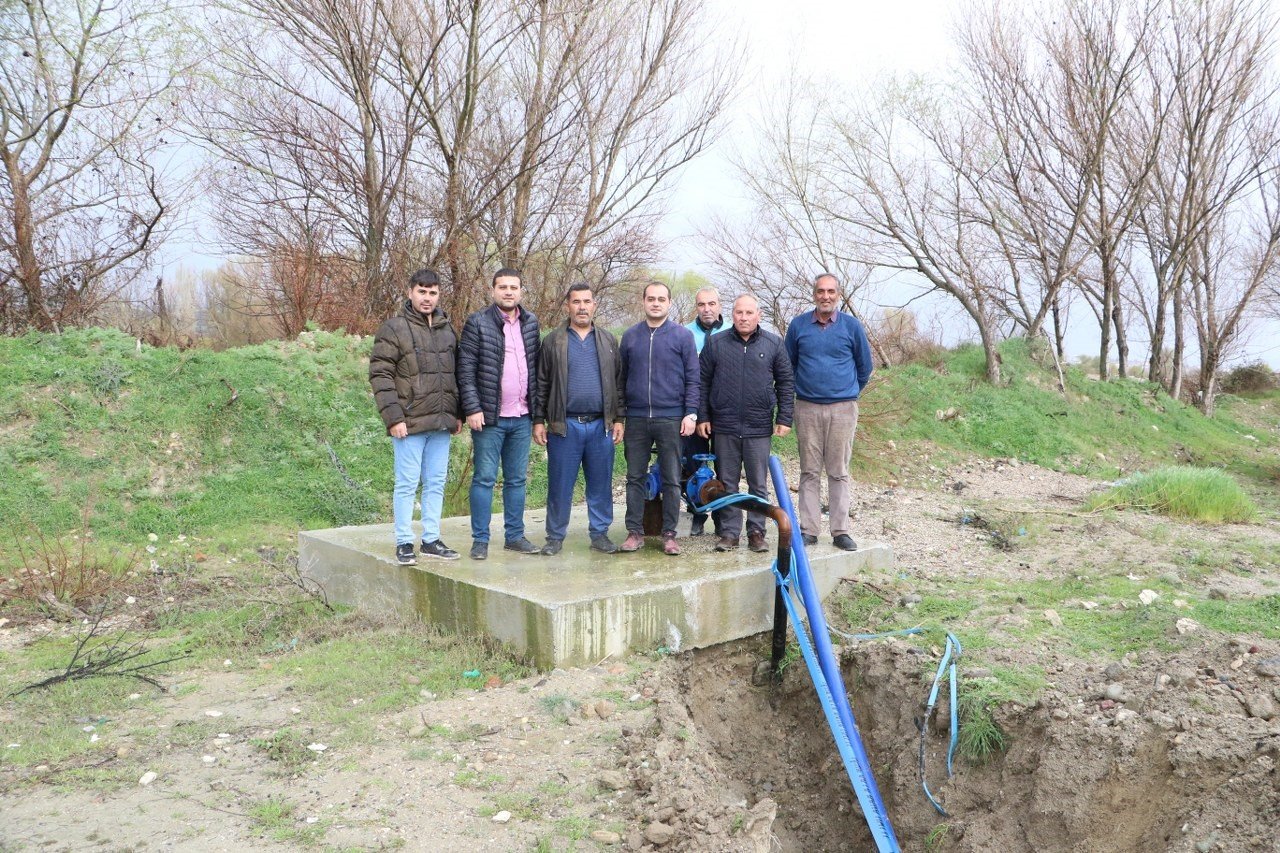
(149, 440)
(1027, 418)
(1193, 494)
(276, 817)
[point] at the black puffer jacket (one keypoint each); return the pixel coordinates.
(481, 353)
(411, 371)
(743, 383)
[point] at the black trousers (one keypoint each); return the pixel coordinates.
(640, 437)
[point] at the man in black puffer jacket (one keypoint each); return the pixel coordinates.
(411, 371)
(746, 380)
(497, 380)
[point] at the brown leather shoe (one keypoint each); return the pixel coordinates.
(633, 542)
(755, 541)
(669, 546)
(727, 543)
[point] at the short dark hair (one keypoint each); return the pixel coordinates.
(654, 283)
(507, 272)
(424, 278)
(576, 287)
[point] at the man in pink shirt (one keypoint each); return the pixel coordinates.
(497, 372)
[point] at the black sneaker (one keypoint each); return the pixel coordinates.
(845, 542)
(439, 550)
(405, 555)
(808, 539)
(552, 547)
(604, 545)
(521, 546)
(479, 550)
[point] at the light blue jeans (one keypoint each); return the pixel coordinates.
(506, 442)
(422, 459)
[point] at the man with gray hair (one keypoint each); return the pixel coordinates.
(747, 398)
(831, 357)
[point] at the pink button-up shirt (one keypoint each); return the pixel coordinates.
(515, 369)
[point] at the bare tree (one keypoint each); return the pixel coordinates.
(1208, 218)
(464, 134)
(86, 102)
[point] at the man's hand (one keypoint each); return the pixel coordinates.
(476, 421)
(457, 425)
(780, 430)
(704, 429)
(688, 425)
(618, 430)
(540, 435)
(400, 430)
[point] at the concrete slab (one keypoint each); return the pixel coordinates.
(578, 607)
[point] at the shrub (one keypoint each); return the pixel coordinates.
(1254, 378)
(1196, 494)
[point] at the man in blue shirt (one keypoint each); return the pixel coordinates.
(831, 358)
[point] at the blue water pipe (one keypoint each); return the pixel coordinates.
(815, 646)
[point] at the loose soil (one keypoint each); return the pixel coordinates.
(690, 753)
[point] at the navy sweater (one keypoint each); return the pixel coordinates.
(659, 371)
(831, 365)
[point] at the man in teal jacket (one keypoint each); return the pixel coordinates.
(706, 322)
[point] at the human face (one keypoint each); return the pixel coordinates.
(826, 295)
(708, 306)
(507, 293)
(657, 304)
(424, 297)
(581, 308)
(746, 316)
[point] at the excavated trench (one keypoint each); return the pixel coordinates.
(1189, 771)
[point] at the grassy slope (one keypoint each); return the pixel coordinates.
(1026, 417)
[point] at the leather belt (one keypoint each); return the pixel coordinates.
(583, 419)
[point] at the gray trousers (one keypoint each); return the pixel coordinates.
(733, 454)
(824, 433)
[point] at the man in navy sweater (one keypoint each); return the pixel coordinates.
(831, 358)
(660, 378)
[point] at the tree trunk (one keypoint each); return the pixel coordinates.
(24, 237)
(1059, 331)
(1122, 341)
(1210, 361)
(1155, 367)
(989, 350)
(1104, 346)
(1179, 344)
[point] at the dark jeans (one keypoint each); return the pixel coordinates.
(507, 442)
(733, 454)
(641, 435)
(588, 447)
